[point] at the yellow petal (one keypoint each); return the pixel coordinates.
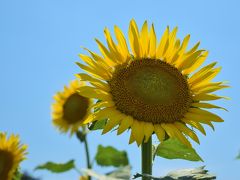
(162, 43)
(199, 61)
(188, 61)
(148, 130)
(125, 124)
(91, 92)
(194, 48)
(94, 72)
(152, 43)
(187, 131)
(207, 106)
(168, 130)
(95, 82)
(201, 86)
(206, 114)
(132, 138)
(184, 44)
(99, 59)
(210, 89)
(201, 72)
(112, 47)
(207, 97)
(171, 42)
(102, 104)
(112, 122)
(205, 77)
(194, 124)
(122, 42)
(99, 115)
(198, 118)
(145, 39)
(107, 55)
(178, 134)
(160, 132)
(137, 130)
(134, 39)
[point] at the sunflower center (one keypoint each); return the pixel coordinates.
(150, 90)
(75, 108)
(6, 163)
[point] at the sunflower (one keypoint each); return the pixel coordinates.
(70, 109)
(154, 88)
(11, 154)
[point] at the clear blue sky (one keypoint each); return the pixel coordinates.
(40, 41)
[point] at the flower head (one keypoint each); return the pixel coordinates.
(11, 154)
(154, 88)
(70, 108)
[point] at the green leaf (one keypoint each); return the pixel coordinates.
(109, 156)
(96, 125)
(57, 167)
(238, 156)
(174, 149)
(17, 175)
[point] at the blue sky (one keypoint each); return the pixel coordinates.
(40, 41)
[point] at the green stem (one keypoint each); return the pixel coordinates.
(89, 166)
(147, 158)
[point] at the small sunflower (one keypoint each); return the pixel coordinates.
(70, 109)
(151, 89)
(11, 154)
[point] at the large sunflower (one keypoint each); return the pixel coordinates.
(152, 88)
(11, 154)
(70, 109)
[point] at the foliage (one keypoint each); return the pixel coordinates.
(57, 167)
(109, 156)
(238, 156)
(96, 125)
(174, 149)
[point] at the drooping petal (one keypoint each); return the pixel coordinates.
(206, 114)
(187, 131)
(199, 118)
(99, 115)
(178, 134)
(160, 132)
(168, 129)
(194, 124)
(148, 130)
(125, 124)
(113, 121)
(137, 130)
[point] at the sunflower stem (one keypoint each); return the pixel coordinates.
(147, 158)
(89, 166)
